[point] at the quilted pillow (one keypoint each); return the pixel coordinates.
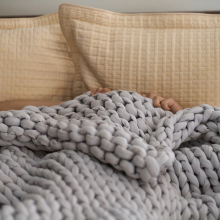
(171, 54)
(35, 60)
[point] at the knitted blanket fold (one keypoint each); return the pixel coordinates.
(109, 156)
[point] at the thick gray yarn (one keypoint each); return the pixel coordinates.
(109, 156)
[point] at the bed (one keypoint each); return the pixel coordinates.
(113, 155)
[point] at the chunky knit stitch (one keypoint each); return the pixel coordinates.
(109, 156)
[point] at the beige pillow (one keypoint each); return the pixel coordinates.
(172, 54)
(35, 60)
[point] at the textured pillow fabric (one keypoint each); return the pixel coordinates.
(173, 55)
(35, 60)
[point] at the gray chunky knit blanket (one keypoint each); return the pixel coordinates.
(109, 156)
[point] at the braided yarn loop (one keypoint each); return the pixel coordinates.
(109, 156)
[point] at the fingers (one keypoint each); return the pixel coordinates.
(99, 90)
(93, 91)
(105, 90)
(175, 108)
(170, 105)
(151, 95)
(165, 104)
(157, 101)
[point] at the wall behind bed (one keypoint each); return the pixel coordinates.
(21, 8)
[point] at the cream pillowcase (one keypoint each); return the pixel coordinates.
(35, 60)
(173, 55)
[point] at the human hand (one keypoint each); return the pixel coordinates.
(167, 104)
(99, 90)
